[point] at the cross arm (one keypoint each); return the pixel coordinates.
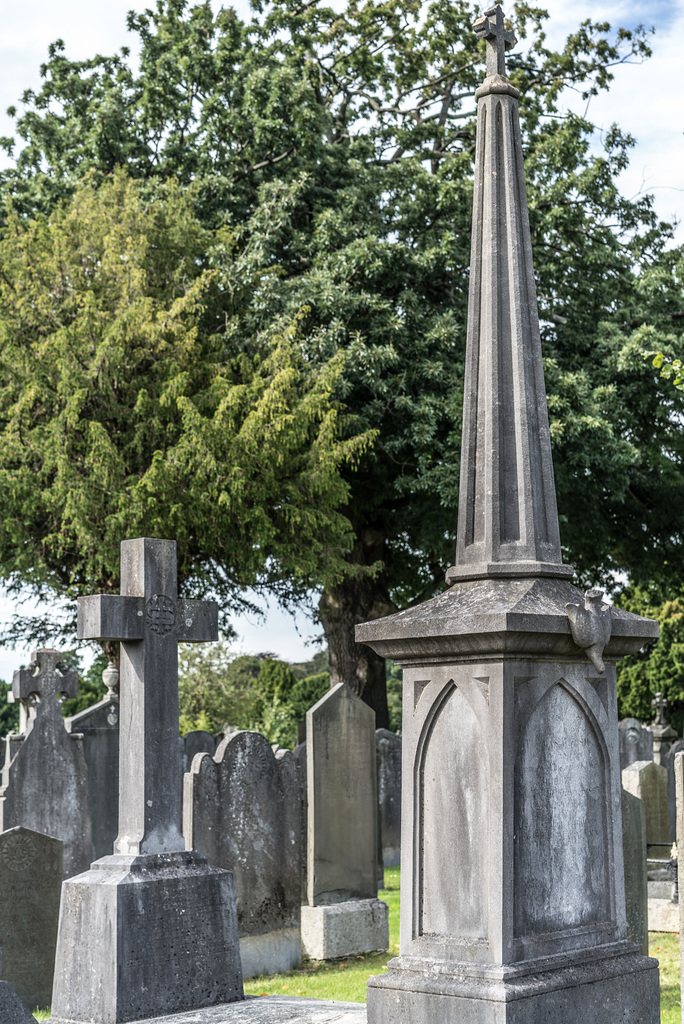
(110, 617)
(197, 621)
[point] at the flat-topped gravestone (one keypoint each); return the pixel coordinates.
(31, 871)
(242, 810)
(648, 781)
(47, 779)
(388, 753)
(198, 741)
(12, 1010)
(343, 915)
(636, 884)
(151, 929)
(636, 742)
(98, 726)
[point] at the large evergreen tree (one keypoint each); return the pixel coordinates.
(341, 144)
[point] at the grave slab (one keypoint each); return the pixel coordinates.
(151, 929)
(263, 1010)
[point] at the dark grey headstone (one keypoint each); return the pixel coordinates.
(192, 743)
(634, 855)
(342, 799)
(668, 763)
(388, 754)
(47, 780)
(636, 742)
(30, 886)
(99, 727)
(12, 1010)
(242, 811)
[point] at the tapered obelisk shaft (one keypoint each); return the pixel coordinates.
(507, 519)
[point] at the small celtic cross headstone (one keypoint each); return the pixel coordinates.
(44, 685)
(491, 27)
(149, 620)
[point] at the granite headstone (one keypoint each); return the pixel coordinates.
(47, 779)
(388, 754)
(30, 885)
(343, 915)
(648, 781)
(242, 810)
(12, 1010)
(634, 854)
(636, 742)
(98, 726)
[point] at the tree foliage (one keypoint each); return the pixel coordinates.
(336, 147)
(128, 407)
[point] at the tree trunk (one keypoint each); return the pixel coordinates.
(341, 608)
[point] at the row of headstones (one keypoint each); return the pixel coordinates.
(637, 745)
(61, 776)
(243, 810)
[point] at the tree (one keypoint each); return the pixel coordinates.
(9, 713)
(129, 407)
(344, 139)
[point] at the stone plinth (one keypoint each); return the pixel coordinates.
(512, 903)
(329, 932)
(156, 932)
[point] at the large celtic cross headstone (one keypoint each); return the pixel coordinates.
(149, 620)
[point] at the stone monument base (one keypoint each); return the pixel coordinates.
(12, 1010)
(145, 936)
(605, 984)
(345, 929)
(272, 953)
(663, 915)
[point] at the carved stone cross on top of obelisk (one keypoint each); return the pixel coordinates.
(492, 28)
(149, 620)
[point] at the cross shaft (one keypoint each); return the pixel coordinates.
(149, 620)
(491, 27)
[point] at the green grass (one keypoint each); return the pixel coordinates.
(337, 979)
(346, 979)
(664, 946)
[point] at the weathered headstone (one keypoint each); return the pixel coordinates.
(299, 754)
(152, 929)
(47, 779)
(343, 915)
(192, 743)
(512, 901)
(636, 742)
(648, 781)
(242, 810)
(30, 885)
(634, 853)
(663, 733)
(98, 726)
(668, 762)
(12, 1010)
(679, 790)
(388, 754)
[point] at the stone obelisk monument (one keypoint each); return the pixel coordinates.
(512, 902)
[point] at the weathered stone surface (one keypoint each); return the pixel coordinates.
(162, 934)
(679, 783)
(388, 755)
(636, 742)
(342, 799)
(192, 743)
(151, 929)
(47, 780)
(242, 811)
(648, 781)
(12, 1010)
(267, 1010)
(668, 762)
(663, 915)
(634, 855)
(333, 931)
(31, 869)
(299, 754)
(512, 903)
(99, 727)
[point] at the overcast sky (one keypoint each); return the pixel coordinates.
(645, 100)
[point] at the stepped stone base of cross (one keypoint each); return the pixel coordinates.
(151, 929)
